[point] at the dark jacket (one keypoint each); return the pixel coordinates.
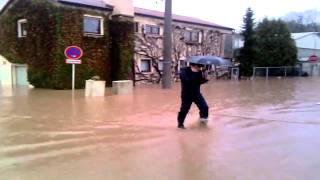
(191, 82)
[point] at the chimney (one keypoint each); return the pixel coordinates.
(122, 7)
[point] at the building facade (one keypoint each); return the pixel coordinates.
(308, 45)
(191, 37)
(118, 40)
(36, 33)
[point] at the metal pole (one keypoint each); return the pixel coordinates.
(73, 75)
(267, 76)
(285, 71)
(167, 46)
(254, 72)
(300, 70)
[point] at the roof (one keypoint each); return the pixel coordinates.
(99, 4)
(307, 40)
(88, 3)
(5, 6)
(177, 18)
(297, 36)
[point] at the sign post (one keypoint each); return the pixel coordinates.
(73, 53)
(73, 75)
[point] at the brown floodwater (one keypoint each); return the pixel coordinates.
(260, 129)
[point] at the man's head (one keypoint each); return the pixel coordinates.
(196, 67)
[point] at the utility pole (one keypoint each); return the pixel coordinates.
(167, 46)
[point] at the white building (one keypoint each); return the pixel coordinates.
(308, 44)
(238, 41)
(12, 74)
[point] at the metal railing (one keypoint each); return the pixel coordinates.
(282, 71)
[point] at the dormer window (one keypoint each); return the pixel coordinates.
(22, 28)
(93, 25)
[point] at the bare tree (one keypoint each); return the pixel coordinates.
(179, 49)
(150, 47)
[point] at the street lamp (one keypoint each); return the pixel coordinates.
(167, 45)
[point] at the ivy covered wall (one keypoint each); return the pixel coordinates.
(122, 38)
(50, 29)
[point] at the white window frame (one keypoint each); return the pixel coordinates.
(150, 66)
(20, 34)
(101, 24)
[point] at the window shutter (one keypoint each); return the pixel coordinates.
(200, 35)
(136, 27)
(144, 29)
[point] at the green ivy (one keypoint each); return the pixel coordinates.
(122, 49)
(50, 29)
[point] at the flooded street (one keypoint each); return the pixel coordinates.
(257, 130)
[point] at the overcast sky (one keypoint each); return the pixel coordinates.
(228, 12)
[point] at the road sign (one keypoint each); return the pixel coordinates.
(73, 61)
(73, 52)
(313, 57)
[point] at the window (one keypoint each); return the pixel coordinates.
(22, 28)
(93, 25)
(228, 46)
(145, 65)
(136, 27)
(214, 37)
(191, 36)
(150, 29)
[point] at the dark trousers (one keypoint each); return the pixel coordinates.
(186, 102)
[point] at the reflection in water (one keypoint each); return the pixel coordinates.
(255, 126)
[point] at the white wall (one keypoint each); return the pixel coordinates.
(304, 54)
(311, 41)
(313, 69)
(5, 72)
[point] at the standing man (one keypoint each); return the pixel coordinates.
(191, 79)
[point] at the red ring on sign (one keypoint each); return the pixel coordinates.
(70, 57)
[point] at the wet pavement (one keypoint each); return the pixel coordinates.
(258, 130)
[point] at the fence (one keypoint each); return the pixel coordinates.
(277, 71)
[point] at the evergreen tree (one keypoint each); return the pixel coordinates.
(276, 47)
(248, 52)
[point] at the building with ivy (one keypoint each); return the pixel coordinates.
(119, 41)
(36, 33)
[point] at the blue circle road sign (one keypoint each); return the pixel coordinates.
(73, 52)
